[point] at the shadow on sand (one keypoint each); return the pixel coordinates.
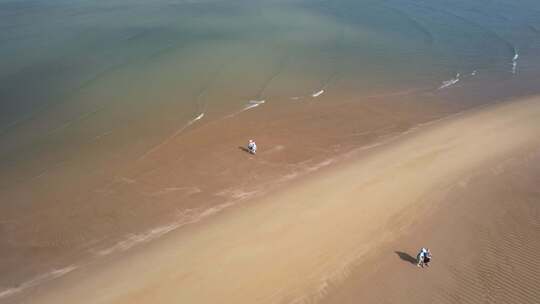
(406, 257)
(244, 149)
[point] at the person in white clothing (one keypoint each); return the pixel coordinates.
(420, 257)
(423, 258)
(252, 147)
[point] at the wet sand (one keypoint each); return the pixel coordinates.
(464, 184)
(95, 188)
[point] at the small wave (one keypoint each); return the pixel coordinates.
(514, 61)
(253, 103)
(368, 147)
(250, 105)
(237, 194)
(54, 274)
(175, 134)
(474, 73)
(449, 83)
(199, 117)
(186, 217)
(320, 165)
(189, 123)
(317, 94)
(307, 169)
(135, 239)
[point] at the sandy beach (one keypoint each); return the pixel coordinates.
(465, 186)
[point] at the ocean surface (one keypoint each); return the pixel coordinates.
(88, 59)
(89, 88)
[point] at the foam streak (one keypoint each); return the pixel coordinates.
(449, 83)
(166, 141)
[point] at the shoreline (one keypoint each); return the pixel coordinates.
(112, 200)
(314, 191)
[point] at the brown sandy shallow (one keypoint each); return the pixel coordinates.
(465, 186)
(108, 179)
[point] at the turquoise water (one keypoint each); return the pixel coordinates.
(60, 51)
(91, 68)
(56, 51)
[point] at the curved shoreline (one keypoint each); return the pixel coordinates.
(293, 246)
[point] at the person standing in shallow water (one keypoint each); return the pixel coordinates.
(252, 147)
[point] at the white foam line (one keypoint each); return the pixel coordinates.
(307, 170)
(197, 118)
(186, 217)
(317, 94)
(250, 105)
(449, 83)
(237, 194)
(135, 239)
(368, 147)
(516, 56)
(253, 103)
(54, 274)
(514, 61)
(320, 165)
(178, 132)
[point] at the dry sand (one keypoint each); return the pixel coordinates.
(465, 186)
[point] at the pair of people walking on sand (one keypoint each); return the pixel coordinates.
(423, 258)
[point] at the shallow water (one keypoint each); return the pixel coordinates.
(73, 71)
(190, 55)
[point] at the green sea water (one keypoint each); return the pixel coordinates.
(138, 71)
(190, 55)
